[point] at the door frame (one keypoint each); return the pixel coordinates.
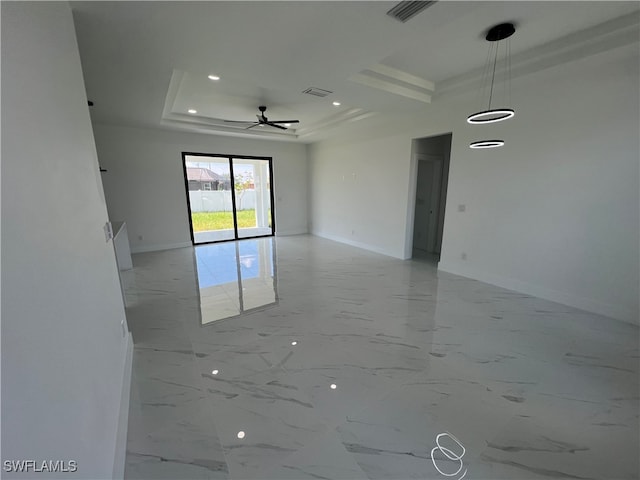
(446, 151)
(230, 158)
(435, 192)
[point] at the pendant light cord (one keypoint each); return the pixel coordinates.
(493, 76)
(509, 66)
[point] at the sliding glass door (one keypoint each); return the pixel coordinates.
(253, 197)
(228, 197)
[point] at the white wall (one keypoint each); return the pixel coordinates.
(555, 212)
(63, 347)
(358, 192)
(144, 184)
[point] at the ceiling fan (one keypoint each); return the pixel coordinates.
(263, 120)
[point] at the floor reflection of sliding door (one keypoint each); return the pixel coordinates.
(228, 197)
(219, 281)
(253, 197)
(236, 278)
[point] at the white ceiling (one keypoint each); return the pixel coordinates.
(146, 63)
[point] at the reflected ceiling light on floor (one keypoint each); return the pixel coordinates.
(487, 144)
(213, 77)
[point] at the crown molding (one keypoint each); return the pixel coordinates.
(609, 35)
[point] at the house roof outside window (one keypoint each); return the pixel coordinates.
(199, 174)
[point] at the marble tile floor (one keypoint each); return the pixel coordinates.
(356, 362)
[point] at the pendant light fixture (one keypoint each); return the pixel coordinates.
(494, 36)
(487, 144)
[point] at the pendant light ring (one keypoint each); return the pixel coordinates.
(487, 144)
(491, 116)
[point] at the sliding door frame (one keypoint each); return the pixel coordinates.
(230, 158)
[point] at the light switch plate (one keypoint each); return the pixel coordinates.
(108, 231)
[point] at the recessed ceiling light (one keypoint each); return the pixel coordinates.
(213, 77)
(191, 110)
(336, 104)
(294, 343)
(214, 372)
(241, 434)
(333, 386)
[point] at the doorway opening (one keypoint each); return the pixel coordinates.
(431, 157)
(228, 197)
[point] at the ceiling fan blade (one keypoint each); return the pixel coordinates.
(239, 121)
(272, 124)
(251, 126)
(284, 121)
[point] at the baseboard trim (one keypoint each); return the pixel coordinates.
(286, 233)
(352, 243)
(123, 419)
(157, 248)
(582, 303)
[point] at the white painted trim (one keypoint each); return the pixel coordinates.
(295, 231)
(402, 76)
(411, 201)
(364, 246)
(123, 419)
(369, 80)
(605, 36)
(588, 304)
(157, 248)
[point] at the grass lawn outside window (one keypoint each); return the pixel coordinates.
(207, 221)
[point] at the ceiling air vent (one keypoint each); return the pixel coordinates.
(408, 9)
(318, 92)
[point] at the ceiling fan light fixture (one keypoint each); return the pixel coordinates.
(491, 116)
(487, 144)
